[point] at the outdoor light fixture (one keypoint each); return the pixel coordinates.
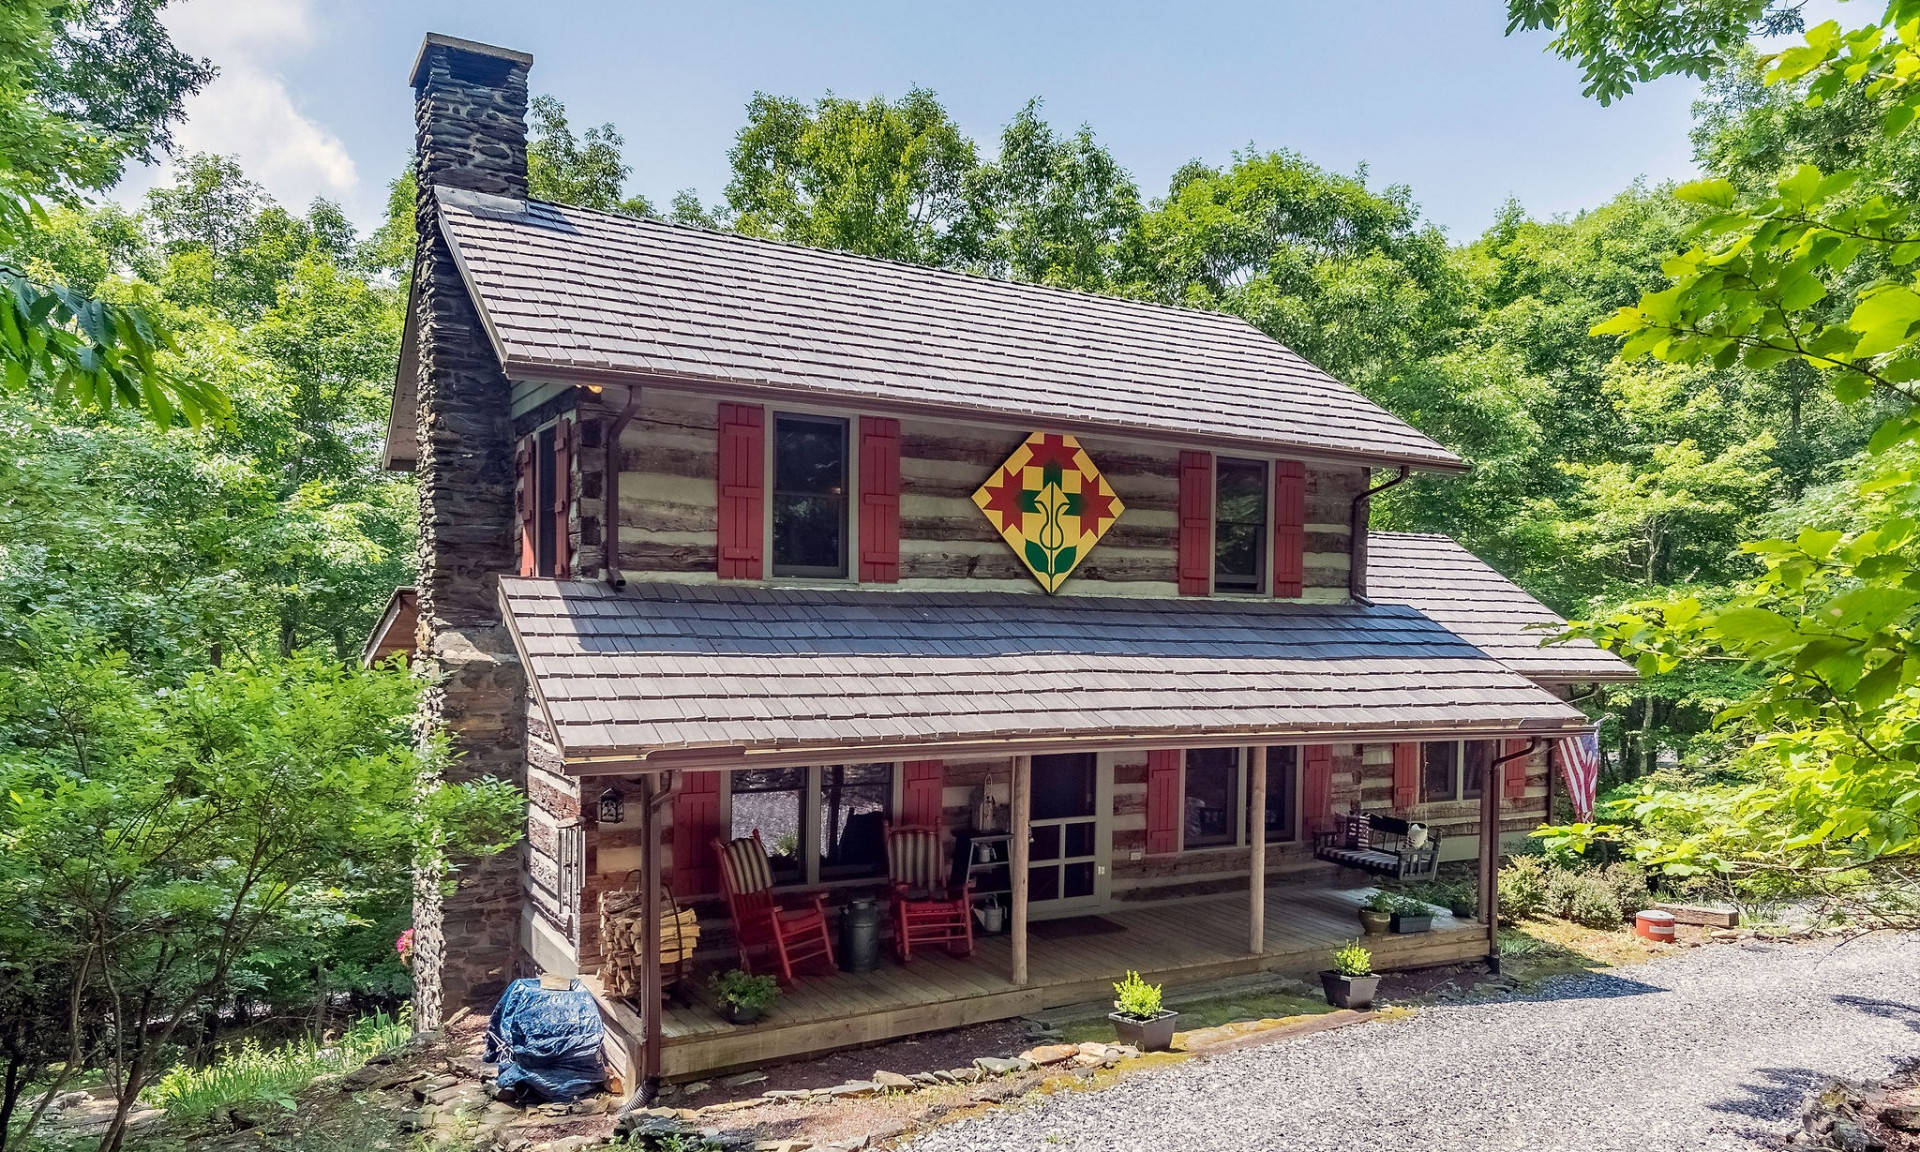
(613, 809)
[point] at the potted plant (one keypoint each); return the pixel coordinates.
(742, 997)
(1411, 916)
(1376, 913)
(1463, 902)
(1350, 983)
(1138, 1018)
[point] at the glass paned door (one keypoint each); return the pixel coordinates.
(1067, 849)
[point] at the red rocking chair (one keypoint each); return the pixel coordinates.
(791, 935)
(926, 909)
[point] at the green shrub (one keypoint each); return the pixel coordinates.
(736, 987)
(1563, 888)
(1352, 961)
(248, 1072)
(1404, 905)
(1592, 903)
(1629, 887)
(1136, 998)
(1382, 901)
(1523, 889)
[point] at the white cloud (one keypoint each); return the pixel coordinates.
(247, 111)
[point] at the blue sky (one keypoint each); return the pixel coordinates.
(313, 97)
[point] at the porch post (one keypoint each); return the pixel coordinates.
(650, 798)
(1017, 861)
(1257, 837)
(1490, 858)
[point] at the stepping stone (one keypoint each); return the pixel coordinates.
(1049, 1053)
(854, 1088)
(892, 1080)
(1000, 1065)
(743, 1079)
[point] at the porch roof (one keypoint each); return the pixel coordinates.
(667, 676)
(1460, 592)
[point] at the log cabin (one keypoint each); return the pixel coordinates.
(721, 536)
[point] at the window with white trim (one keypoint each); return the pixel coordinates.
(818, 824)
(1239, 525)
(810, 505)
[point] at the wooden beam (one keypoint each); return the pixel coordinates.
(650, 991)
(1017, 862)
(1257, 867)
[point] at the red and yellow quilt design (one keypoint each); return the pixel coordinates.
(1050, 504)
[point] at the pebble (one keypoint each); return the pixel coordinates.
(1709, 1050)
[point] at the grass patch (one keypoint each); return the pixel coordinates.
(248, 1073)
(1536, 949)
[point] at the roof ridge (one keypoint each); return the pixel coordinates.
(841, 254)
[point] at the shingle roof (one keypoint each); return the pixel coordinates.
(780, 672)
(570, 293)
(1460, 592)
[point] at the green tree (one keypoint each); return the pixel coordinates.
(1053, 209)
(168, 836)
(879, 178)
(1619, 45)
(1348, 277)
(589, 171)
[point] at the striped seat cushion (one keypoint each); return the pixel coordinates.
(913, 858)
(745, 861)
(1371, 859)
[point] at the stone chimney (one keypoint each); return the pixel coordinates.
(470, 110)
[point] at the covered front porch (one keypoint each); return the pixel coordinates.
(1069, 961)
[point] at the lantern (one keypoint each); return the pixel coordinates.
(613, 809)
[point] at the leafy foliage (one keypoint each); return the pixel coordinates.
(1352, 961)
(1137, 999)
(746, 991)
(1619, 45)
(246, 1073)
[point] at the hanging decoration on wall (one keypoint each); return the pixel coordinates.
(1050, 504)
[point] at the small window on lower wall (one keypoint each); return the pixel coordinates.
(1212, 797)
(1454, 769)
(818, 824)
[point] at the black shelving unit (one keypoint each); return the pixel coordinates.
(985, 858)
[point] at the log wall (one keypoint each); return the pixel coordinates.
(669, 519)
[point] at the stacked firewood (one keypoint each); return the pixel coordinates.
(620, 916)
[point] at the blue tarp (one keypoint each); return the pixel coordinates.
(547, 1043)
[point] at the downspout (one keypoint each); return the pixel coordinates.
(1357, 519)
(1490, 792)
(611, 513)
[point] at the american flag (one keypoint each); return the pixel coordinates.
(1580, 768)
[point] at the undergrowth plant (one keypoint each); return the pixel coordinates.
(247, 1072)
(1352, 961)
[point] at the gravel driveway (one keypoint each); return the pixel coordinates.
(1712, 1048)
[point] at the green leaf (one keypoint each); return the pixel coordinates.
(1715, 193)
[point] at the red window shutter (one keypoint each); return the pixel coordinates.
(1406, 775)
(879, 500)
(1163, 800)
(1316, 784)
(922, 792)
(562, 499)
(696, 822)
(1516, 769)
(1289, 527)
(524, 495)
(1196, 524)
(742, 490)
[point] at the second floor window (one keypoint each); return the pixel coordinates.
(809, 496)
(1240, 526)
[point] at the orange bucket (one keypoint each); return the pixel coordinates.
(1654, 926)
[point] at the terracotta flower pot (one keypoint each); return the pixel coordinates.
(1155, 1035)
(1349, 991)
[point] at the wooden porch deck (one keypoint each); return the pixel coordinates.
(1184, 943)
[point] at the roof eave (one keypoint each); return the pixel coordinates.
(633, 761)
(524, 368)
